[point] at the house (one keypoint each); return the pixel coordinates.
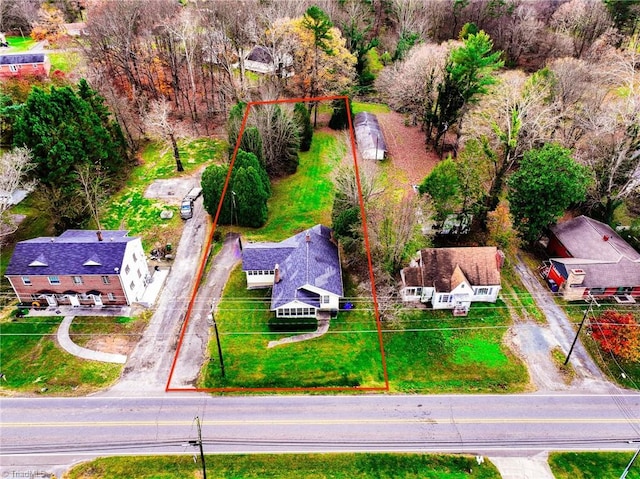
(97, 268)
(453, 278)
(369, 136)
(589, 258)
(303, 271)
(261, 60)
(15, 64)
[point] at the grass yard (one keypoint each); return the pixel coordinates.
(67, 62)
(348, 355)
(305, 198)
(289, 466)
(516, 295)
(130, 210)
(592, 465)
(20, 44)
(434, 352)
(357, 107)
(108, 334)
(33, 363)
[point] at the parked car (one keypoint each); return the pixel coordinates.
(186, 207)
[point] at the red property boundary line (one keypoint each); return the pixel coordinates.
(207, 248)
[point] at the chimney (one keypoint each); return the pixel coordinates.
(276, 278)
(99, 235)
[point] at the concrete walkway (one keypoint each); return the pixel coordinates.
(323, 327)
(65, 342)
(532, 467)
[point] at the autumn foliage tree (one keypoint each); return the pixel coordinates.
(617, 333)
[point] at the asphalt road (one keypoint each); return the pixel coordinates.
(49, 434)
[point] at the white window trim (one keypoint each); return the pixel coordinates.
(26, 280)
(56, 281)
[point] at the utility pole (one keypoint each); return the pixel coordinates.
(215, 328)
(199, 443)
(584, 317)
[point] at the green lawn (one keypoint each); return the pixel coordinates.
(349, 355)
(130, 210)
(66, 62)
(289, 466)
(592, 465)
(357, 107)
(19, 44)
(435, 352)
(517, 296)
(305, 198)
(123, 329)
(33, 363)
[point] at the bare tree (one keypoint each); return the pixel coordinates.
(582, 20)
(160, 125)
(92, 182)
(14, 166)
(411, 86)
(346, 184)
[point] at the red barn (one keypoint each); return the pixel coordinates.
(15, 64)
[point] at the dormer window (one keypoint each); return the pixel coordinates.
(92, 262)
(39, 261)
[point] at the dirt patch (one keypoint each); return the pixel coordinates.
(406, 147)
(113, 344)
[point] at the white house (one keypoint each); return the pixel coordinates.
(261, 60)
(453, 278)
(304, 272)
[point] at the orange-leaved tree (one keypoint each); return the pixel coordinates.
(618, 333)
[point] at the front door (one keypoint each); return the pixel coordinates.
(51, 300)
(97, 299)
(73, 299)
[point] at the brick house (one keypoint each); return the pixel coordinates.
(15, 64)
(453, 278)
(589, 258)
(79, 268)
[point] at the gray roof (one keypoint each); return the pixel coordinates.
(21, 58)
(260, 54)
(479, 265)
(75, 252)
(587, 238)
(368, 132)
(302, 265)
(599, 274)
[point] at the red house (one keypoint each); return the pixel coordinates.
(590, 258)
(15, 64)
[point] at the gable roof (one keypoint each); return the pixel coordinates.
(308, 264)
(446, 268)
(587, 238)
(368, 132)
(75, 252)
(260, 54)
(21, 58)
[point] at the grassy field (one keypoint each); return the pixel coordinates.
(67, 62)
(305, 198)
(357, 107)
(517, 296)
(434, 352)
(33, 363)
(130, 210)
(349, 355)
(124, 330)
(592, 465)
(289, 466)
(20, 44)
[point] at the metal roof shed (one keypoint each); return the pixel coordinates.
(369, 136)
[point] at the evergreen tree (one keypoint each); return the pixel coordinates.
(339, 118)
(301, 115)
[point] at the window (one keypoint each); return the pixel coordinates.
(482, 291)
(112, 297)
(106, 280)
(127, 269)
(35, 297)
(26, 280)
(132, 285)
(77, 280)
(596, 291)
(445, 298)
(135, 258)
(54, 280)
(139, 274)
(326, 299)
(13, 68)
